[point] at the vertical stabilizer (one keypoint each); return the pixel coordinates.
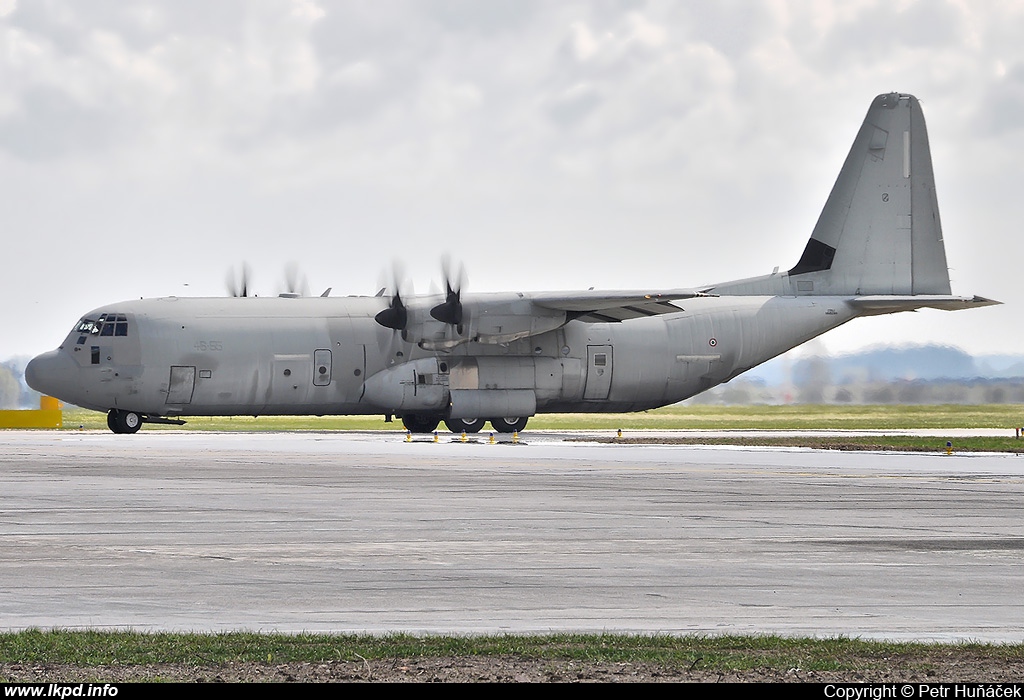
(879, 232)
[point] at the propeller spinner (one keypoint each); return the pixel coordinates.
(395, 316)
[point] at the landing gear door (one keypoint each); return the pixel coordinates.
(599, 372)
(181, 385)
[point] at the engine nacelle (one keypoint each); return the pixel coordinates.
(418, 386)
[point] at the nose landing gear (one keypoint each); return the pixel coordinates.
(416, 423)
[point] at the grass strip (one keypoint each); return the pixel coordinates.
(721, 653)
(789, 417)
(879, 443)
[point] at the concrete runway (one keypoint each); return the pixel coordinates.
(363, 532)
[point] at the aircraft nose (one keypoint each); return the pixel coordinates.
(51, 373)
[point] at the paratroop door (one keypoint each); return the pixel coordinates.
(181, 384)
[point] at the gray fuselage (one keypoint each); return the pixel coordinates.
(314, 356)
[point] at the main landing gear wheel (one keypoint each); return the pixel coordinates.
(470, 425)
(420, 424)
(509, 425)
(123, 422)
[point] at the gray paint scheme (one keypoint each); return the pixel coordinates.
(877, 248)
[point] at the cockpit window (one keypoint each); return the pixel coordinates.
(107, 324)
(113, 324)
(87, 326)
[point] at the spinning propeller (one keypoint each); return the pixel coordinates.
(450, 310)
(238, 285)
(396, 316)
(295, 283)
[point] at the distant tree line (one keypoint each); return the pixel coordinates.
(925, 374)
(14, 393)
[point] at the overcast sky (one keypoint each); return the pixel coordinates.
(146, 148)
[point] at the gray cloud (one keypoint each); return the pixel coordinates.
(49, 124)
(570, 144)
(1005, 102)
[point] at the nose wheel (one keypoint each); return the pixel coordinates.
(123, 422)
(420, 423)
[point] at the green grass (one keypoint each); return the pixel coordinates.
(790, 417)
(797, 417)
(904, 443)
(725, 653)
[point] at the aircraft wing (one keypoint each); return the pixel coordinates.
(506, 317)
(605, 307)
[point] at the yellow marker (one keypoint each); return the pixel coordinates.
(408, 436)
(515, 437)
(463, 438)
(435, 436)
(949, 447)
(491, 439)
(48, 415)
(620, 433)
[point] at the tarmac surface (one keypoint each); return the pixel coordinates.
(363, 532)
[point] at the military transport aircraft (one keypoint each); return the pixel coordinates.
(877, 249)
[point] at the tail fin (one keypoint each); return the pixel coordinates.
(879, 232)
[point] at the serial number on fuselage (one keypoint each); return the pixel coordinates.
(209, 346)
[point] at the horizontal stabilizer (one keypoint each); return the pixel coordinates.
(886, 304)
